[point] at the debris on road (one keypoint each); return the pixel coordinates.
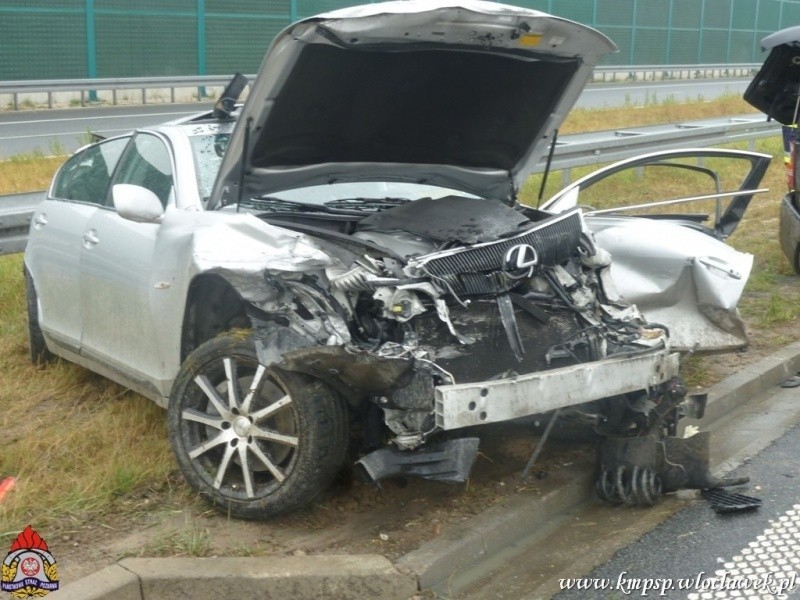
(725, 501)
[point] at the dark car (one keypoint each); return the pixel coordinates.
(775, 91)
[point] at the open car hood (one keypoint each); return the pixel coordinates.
(465, 95)
(775, 88)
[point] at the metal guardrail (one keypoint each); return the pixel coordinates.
(91, 86)
(572, 151)
(16, 211)
(610, 146)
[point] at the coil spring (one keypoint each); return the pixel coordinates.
(635, 486)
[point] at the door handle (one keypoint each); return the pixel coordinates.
(90, 238)
(39, 220)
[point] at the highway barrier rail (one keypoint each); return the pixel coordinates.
(88, 88)
(16, 211)
(572, 151)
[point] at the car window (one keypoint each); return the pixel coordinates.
(207, 151)
(147, 163)
(86, 175)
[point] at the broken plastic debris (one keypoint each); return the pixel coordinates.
(690, 431)
(6, 485)
(724, 501)
(793, 381)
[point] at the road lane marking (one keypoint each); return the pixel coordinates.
(775, 554)
(52, 135)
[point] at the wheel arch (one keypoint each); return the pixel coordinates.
(213, 305)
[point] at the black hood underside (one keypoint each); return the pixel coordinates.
(450, 219)
(411, 105)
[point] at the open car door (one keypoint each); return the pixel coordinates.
(707, 189)
(663, 217)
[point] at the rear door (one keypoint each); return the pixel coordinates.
(58, 236)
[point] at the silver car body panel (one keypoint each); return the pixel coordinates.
(145, 296)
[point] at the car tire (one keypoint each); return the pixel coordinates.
(253, 454)
(37, 347)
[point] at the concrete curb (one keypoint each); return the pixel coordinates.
(351, 577)
(373, 576)
(517, 518)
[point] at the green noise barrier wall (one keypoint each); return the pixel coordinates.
(66, 39)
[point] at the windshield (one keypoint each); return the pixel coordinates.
(209, 143)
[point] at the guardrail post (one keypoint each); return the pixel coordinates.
(201, 47)
(91, 48)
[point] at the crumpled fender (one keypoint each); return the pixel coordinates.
(679, 277)
(352, 372)
(243, 242)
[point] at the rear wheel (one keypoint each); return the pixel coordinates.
(254, 442)
(36, 345)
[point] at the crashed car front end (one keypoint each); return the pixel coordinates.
(374, 242)
(439, 314)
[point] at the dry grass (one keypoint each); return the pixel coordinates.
(669, 111)
(27, 173)
(82, 447)
(78, 444)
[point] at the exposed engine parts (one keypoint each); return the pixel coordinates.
(498, 294)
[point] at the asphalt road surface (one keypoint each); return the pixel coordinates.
(52, 130)
(680, 549)
(712, 556)
(49, 131)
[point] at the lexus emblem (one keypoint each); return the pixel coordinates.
(520, 261)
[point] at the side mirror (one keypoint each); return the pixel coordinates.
(136, 203)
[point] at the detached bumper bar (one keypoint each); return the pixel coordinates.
(469, 404)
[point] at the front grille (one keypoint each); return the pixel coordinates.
(473, 284)
(555, 240)
(491, 355)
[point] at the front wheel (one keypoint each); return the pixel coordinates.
(255, 442)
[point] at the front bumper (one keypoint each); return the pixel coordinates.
(468, 404)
